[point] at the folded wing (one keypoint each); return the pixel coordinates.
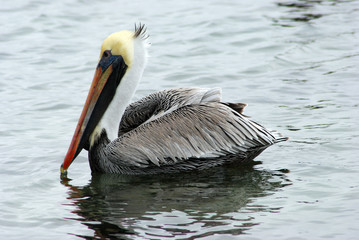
(160, 103)
(205, 130)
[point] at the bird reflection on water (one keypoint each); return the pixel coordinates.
(117, 206)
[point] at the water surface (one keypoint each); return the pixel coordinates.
(295, 63)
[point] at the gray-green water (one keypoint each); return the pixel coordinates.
(294, 62)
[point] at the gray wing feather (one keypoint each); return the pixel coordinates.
(160, 103)
(192, 131)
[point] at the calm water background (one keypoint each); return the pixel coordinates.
(295, 63)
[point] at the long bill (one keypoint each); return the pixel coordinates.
(103, 88)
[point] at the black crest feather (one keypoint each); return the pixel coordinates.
(140, 31)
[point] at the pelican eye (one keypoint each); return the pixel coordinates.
(106, 54)
(107, 59)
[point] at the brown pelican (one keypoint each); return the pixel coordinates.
(167, 131)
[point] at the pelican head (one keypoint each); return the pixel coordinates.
(119, 69)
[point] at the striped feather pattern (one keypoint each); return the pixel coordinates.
(198, 127)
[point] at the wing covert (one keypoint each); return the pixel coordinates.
(163, 102)
(192, 131)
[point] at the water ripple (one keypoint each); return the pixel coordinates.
(294, 62)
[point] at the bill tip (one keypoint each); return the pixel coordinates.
(63, 171)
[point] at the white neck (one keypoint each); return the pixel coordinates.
(124, 93)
